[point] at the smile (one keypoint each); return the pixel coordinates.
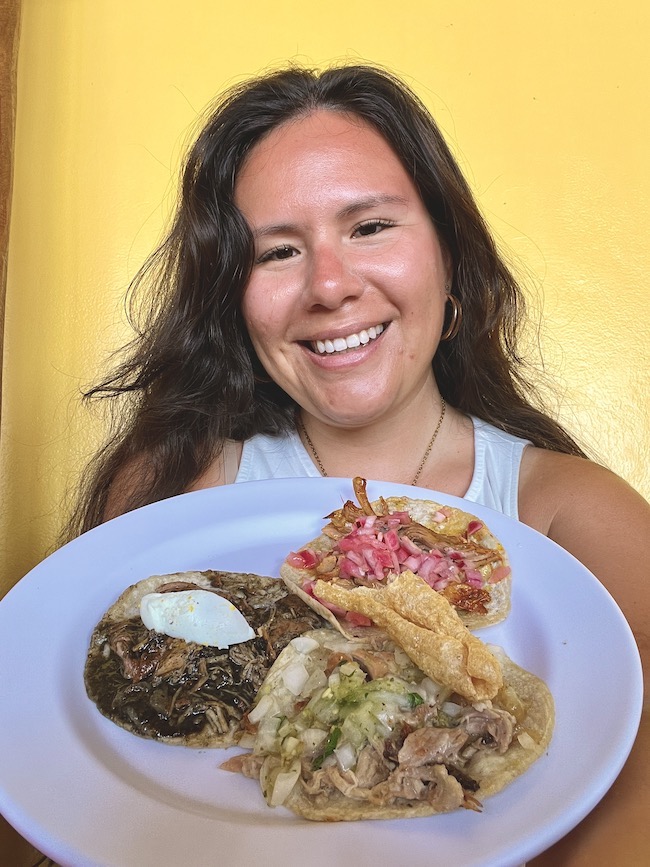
(352, 341)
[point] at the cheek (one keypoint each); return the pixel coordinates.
(261, 316)
(419, 277)
(253, 309)
(266, 302)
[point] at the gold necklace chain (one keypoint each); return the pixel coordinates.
(427, 452)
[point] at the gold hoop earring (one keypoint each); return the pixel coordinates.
(456, 318)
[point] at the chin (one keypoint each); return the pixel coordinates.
(356, 416)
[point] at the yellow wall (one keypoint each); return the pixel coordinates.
(544, 103)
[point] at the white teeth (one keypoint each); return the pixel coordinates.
(340, 344)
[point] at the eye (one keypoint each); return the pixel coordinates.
(372, 227)
(277, 254)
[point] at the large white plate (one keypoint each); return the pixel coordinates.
(88, 793)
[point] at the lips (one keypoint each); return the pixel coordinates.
(352, 341)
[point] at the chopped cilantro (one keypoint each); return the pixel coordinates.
(330, 746)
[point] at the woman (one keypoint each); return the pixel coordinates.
(329, 301)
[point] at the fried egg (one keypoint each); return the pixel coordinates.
(195, 615)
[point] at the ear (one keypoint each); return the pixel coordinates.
(448, 264)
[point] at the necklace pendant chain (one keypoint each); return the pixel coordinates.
(427, 452)
(323, 472)
(431, 442)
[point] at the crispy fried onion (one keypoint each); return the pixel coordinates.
(427, 628)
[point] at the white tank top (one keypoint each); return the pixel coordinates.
(495, 482)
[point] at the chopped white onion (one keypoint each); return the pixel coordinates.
(266, 771)
(334, 679)
(526, 741)
(431, 689)
(265, 706)
(402, 658)
(267, 734)
(284, 783)
(304, 644)
(290, 744)
(346, 756)
(451, 708)
(316, 680)
(294, 677)
(313, 738)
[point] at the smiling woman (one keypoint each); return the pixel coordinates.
(322, 208)
(329, 301)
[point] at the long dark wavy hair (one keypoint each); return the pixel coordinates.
(191, 378)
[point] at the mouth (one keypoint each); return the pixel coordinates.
(342, 344)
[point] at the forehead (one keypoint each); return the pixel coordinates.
(320, 126)
(324, 144)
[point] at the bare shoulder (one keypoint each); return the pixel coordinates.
(563, 495)
(599, 518)
(136, 473)
(222, 470)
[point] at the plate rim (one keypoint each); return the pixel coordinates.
(77, 550)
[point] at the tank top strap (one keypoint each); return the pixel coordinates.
(497, 462)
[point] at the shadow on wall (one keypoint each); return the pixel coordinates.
(9, 36)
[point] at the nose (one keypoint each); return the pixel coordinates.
(331, 279)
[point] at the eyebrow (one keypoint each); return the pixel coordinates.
(371, 202)
(348, 211)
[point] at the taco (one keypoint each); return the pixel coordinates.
(366, 544)
(350, 729)
(182, 691)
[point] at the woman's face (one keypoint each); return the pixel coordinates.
(345, 302)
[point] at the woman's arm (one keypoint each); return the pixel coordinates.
(598, 518)
(605, 524)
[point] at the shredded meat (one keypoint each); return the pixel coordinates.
(429, 539)
(342, 519)
(421, 769)
(175, 658)
(138, 658)
(371, 768)
(158, 686)
(345, 782)
(493, 726)
(394, 743)
(468, 784)
(430, 744)
(429, 783)
(247, 764)
(359, 486)
(466, 597)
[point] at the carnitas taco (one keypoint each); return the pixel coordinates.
(348, 729)
(453, 551)
(191, 671)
